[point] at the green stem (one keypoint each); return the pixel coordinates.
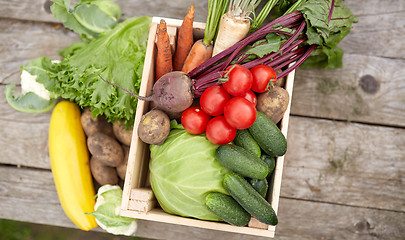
(259, 19)
(295, 6)
(216, 8)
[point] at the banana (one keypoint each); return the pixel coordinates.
(70, 165)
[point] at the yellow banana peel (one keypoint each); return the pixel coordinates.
(70, 165)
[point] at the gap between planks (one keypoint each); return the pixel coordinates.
(348, 121)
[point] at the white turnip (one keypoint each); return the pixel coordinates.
(234, 24)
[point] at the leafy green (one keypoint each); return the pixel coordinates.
(107, 211)
(271, 44)
(29, 102)
(321, 30)
(324, 57)
(106, 215)
(72, 49)
(326, 31)
(88, 18)
(117, 56)
(182, 171)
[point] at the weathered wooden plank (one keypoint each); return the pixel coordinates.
(21, 42)
(384, 20)
(38, 10)
(378, 34)
(24, 136)
(367, 89)
(312, 220)
(29, 195)
(344, 163)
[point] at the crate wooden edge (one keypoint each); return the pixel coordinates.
(134, 168)
(159, 216)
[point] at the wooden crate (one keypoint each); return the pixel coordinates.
(138, 201)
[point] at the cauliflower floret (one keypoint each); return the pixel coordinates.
(29, 84)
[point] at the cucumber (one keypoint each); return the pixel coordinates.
(244, 139)
(226, 208)
(242, 161)
(269, 137)
(271, 163)
(260, 185)
(249, 199)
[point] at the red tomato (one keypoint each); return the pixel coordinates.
(240, 113)
(239, 80)
(219, 131)
(251, 97)
(263, 77)
(213, 100)
(194, 120)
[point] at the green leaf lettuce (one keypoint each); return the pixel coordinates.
(118, 56)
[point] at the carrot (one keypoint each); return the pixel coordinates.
(198, 54)
(164, 53)
(185, 40)
(202, 49)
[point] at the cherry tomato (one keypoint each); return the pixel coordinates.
(213, 100)
(240, 113)
(239, 81)
(263, 77)
(194, 120)
(219, 131)
(251, 97)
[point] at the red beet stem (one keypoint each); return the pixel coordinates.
(126, 90)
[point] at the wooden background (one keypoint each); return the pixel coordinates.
(345, 165)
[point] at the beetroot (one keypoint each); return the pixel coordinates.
(171, 93)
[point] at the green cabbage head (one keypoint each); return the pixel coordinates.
(182, 171)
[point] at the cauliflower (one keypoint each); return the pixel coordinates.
(29, 84)
(107, 209)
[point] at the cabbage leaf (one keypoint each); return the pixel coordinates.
(182, 171)
(89, 18)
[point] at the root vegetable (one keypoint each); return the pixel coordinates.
(106, 149)
(234, 24)
(273, 103)
(103, 174)
(199, 53)
(185, 40)
(121, 133)
(122, 168)
(154, 127)
(171, 93)
(98, 124)
(164, 53)
(202, 49)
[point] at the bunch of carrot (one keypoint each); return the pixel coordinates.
(166, 61)
(188, 54)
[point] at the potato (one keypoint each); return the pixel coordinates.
(106, 149)
(154, 127)
(281, 81)
(122, 168)
(121, 133)
(103, 174)
(92, 125)
(273, 103)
